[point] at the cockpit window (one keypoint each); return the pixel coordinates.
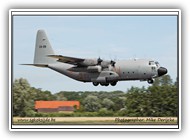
(157, 64)
(151, 63)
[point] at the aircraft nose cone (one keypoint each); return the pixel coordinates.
(162, 71)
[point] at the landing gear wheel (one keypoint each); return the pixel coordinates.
(95, 83)
(106, 84)
(150, 81)
(113, 83)
(102, 84)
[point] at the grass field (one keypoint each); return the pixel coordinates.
(95, 120)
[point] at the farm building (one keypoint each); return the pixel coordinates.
(56, 106)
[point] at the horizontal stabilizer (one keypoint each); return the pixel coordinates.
(37, 65)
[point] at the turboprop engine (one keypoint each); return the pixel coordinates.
(94, 68)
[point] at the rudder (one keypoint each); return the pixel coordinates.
(43, 49)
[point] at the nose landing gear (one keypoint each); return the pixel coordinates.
(150, 81)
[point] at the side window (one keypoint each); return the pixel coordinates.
(151, 62)
(153, 68)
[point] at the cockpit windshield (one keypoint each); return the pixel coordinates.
(151, 63)
(157, 64)
(154, 63)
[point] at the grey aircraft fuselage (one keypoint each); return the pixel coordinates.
(97, 71)
(134, 69)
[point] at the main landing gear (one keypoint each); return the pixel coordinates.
(104, 84)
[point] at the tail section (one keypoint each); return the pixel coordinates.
(42, 50)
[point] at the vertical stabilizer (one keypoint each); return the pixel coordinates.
(43, 49)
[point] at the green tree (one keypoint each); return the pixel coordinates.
(107, 103)
(91, 103)
(166, 80)
(159, 100)
(21, 94)
(24, 97)
(61, 97)
(105, 112)
(163, 80)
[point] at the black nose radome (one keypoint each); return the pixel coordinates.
(162, 71)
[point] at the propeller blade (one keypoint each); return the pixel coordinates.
(99, 60)
(112, 63)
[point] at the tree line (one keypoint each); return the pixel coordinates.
(158, 100)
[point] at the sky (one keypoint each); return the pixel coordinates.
(108, 37)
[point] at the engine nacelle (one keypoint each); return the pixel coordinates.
(94, 68)
(95, 62)
(89, 62)
(100, 80)
(105, 64)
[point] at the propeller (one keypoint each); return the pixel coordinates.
(112, 63)
(99, 61)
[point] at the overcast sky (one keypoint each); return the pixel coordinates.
(110, 37)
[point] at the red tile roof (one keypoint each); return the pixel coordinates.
(55, 104)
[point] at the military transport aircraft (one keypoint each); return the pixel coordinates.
(97, 71)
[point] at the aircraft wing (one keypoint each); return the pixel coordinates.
(67, 59)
